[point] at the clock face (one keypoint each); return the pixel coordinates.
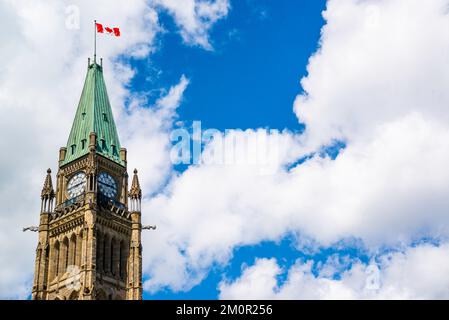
(107, 185)
(76, 185)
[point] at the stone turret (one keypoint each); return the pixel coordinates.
(135, 271)
(135, 194)
(47, 194)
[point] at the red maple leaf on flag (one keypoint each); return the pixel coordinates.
(111, 31)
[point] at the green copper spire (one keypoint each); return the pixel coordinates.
(94, 114)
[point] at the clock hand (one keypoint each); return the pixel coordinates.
(76, 185)
(108, 185)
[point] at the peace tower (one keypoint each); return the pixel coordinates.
(89, 243)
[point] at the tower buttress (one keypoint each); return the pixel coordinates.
(42, 250)
(135, 257)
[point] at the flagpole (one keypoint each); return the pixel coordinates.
(95, 41)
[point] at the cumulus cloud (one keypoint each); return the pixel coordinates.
(145, 133)
(196, 17)
(378, 61)
(206, 211)
(371, 191)
(377, 83)
(417, 273)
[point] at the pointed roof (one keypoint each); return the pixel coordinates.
(47, 190)
(94, 114)
(135, 191)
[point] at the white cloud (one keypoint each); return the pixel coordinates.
(373, 191)
(196, 18)
(378, 82)
(145, 133)
(208, 210)
(378, 62)
(417, 273)
(45, 60)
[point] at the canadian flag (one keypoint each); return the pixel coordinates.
(107, 30)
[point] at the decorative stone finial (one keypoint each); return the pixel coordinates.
(135, 192)
(47, 190)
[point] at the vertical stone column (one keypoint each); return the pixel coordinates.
(42, 260)
(53, 261)
(90, 255)
(124, 191)
(135, 260)
(37, 267)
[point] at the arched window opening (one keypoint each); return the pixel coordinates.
(72, 250)
(112, 256)
(55, 261)
(100, 244)
(123, 259)
(66, 255)
(107, 254)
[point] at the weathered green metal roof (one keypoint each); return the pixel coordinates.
(94, 114)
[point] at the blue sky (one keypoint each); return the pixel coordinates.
(359, 187)
(284, 251)
(249, 80)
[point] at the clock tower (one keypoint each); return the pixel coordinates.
(89, 245)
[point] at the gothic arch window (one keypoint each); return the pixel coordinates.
(106, 253)
(72, 250)
(100, 253)
(117, 261)
(55, 261)
(64, 256)
(123, 259)
(113, 257)
(79, 249)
